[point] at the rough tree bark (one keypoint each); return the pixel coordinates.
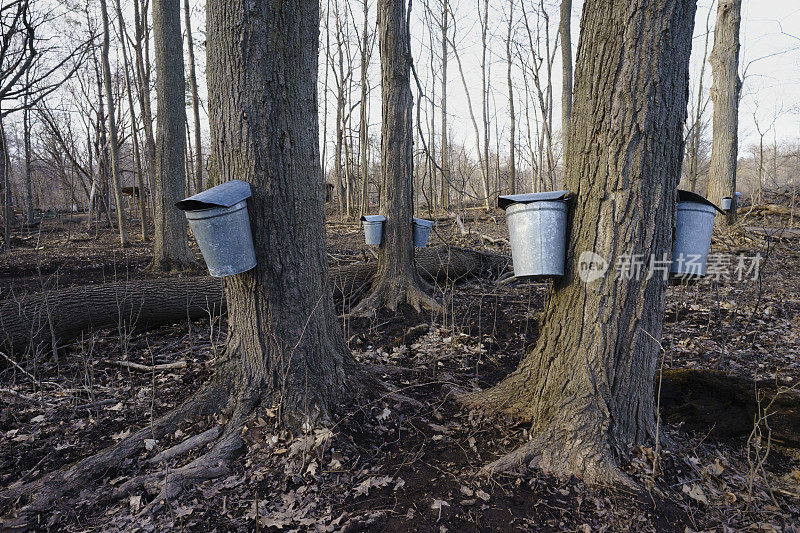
(397, 280)
(587, 386)
(198, 150)
(285, 346)
(724, 61)
(112, 128)
(284, 340)
(564, 31)
(170, 241)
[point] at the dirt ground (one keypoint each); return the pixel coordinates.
(403, 466)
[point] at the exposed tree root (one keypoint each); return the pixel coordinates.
(196, 441)
(214, 464)
(560, 447)
(556, 453)
(390, 293)
(41, 495)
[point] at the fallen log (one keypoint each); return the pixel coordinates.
(725, 406)
(770, 209)
(37, 321)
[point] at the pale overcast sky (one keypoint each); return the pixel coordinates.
(769, 57)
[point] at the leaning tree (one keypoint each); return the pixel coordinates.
(587, 385)
(397, 280)
(285, 346)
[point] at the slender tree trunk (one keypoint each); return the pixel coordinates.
(143, 75)
(724, 61)
(397, 280)
(26, 136)
(588, 384)
(112, 128)
(512, 167)
(363, 119)
(198, 145)
(694, 144)
(324, 161)
(340, 103)
(134, 137)
(485, 105)
(170, 243)
(265, 130)
(5, 171)
(564, 31)
(445, 195)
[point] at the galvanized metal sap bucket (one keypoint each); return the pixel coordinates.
(221, 226)
(537, 230)
(373, 228)
(693, 228)
(727, 202)
(422, 230)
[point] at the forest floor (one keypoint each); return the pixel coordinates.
(389, 466)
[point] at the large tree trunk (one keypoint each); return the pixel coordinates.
(397, 280)
(198, 145)
(565, 32)
(31, 323)
(724, 61)
(112, 128)
(587, 386)
(284, 341)
(170, 242)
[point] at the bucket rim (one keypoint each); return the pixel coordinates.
(214, 212)
(699, 207)
(556, 205)
(503, 202)
(225, 194)
(421, 222)
(685, 196)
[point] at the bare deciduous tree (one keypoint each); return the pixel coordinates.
(725, 91)
(587, 386)
(170, 243)
(397, 280)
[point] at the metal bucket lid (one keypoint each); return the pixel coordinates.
(223, 195)
(550, 196)
(373, 218)
(423, 222)
(689, 196)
